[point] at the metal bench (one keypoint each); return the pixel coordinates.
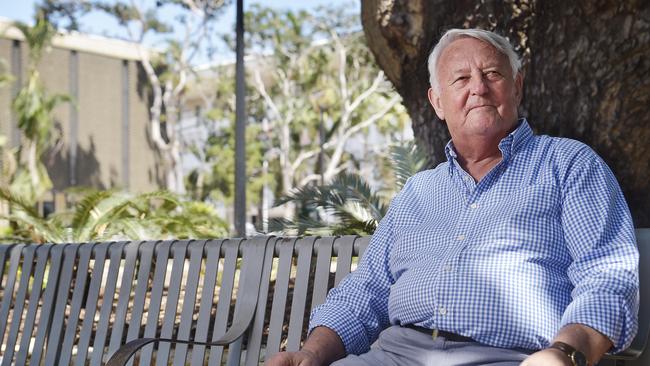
(238, 301)
(78, 303)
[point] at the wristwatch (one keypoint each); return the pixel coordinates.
(577, 358)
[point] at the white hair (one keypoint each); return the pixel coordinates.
(497, 41)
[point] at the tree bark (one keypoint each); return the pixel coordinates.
(586, 65)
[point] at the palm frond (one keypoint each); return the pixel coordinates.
(354, 188)
(87, 206)
(406, 160)
(38, 229)
(18, 202)
(128, 228)
(116, 205)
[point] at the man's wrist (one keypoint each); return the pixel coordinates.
(574, 356)
(312, 355)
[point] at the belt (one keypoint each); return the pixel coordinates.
(435, 333)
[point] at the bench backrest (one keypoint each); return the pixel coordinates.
(77, 303)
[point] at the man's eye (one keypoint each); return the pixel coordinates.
(492, 74)
(461, 78)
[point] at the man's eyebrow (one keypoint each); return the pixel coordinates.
(461, 70)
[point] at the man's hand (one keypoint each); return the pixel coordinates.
(323, 346)
(592, 344)
(300, 358)
(547, 357)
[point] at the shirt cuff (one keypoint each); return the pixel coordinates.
(606, 314)
(345, 324)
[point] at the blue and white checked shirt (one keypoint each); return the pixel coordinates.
(543, 240)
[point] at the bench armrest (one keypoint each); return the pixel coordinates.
(124, 353)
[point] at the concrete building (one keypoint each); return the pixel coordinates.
(103, 139)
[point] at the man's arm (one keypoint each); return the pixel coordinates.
(587, 340)
(323, 346)
(600, 238)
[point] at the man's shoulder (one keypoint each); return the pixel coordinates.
(564, 149)
(564, 157)
(428, 175)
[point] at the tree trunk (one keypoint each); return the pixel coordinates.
(587, 67)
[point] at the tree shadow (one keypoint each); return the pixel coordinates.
(87, 168)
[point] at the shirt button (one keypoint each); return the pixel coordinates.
(447, 267)
(442, 310)
(474, 206)
(460, 237)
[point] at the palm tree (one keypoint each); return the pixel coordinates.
(34, 109)
(348, 205)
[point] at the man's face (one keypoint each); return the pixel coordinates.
(478, 96)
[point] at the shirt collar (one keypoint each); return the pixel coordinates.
(508, 145)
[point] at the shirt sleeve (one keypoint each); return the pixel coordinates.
(357, 309)
(600, 237)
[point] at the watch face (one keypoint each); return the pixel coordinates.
(579, 359)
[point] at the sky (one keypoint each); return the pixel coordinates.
(23, 10)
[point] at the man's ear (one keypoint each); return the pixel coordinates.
(434, 99)
(519, 87)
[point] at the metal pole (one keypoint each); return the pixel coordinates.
(240, 128)
(321, 154)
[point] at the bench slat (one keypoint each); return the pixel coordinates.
(231, 251)
(115, 252)
(257, 327)
(42, 257)
(247, 295)
(179, 252)
(83, 263)
(19, 304)
(162, 251)
(100, 252)
(131, 251)
(360, 245)
(189, 299)
(8, 291)
(305, 247)
(280, 293)
(146, 250)
(324, 247)
(49, 296)
(212, 252)
(58, 318)
(343, 246)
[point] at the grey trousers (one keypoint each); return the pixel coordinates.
(398, 346)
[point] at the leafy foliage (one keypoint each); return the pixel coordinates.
(348, 205)
(34, 107)
(312, 88)
(114, 215)
(38, 37)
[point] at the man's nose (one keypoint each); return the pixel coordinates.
(478, 85)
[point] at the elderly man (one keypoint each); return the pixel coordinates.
(519, 249)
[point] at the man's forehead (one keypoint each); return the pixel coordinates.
(458, 51)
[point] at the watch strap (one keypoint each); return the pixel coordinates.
(577, 358)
